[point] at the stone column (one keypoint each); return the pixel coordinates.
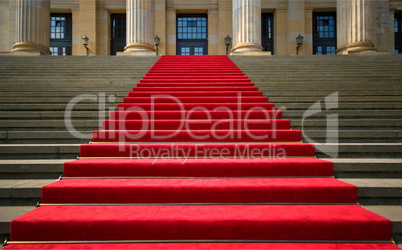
(246, 26)
(140, 26)
(354, 26)
(33, 27)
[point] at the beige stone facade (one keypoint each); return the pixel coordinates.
(362, 26)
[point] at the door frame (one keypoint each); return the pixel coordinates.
(191, 42)
(324, 41)
(66, 42)
(114, 43)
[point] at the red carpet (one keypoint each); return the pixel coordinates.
(197, 114)
(252, 190)
(200, 222)
(256, 124)
(196, 153)
(301, 167)
(199, 151)
(249, 246)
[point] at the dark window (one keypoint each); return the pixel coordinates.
(185, 51)
(118, 33)
(192, 35)
(398, 33)
(198, 51)
(192, 28)
(324, 34)
(61, 34)
(267, 32)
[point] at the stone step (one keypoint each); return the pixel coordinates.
(370, 191)
(367, 168)
(324, 89)
(92, 103)
(321, 136)
(312, 99)
(9, 213)
(343, 168)
(32, 169)
(85, 125)
(88, 113)
(122, 91)
(394, 214)
(353, 136)
(88, 87)
(359, 150)
(51, 93)
(377, 191)
(62, 107)
(71, 151)
(348, 114)
(21, 192)
(362, 106)
(39, 151)
(350, 124)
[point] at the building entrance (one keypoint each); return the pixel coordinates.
(398, 33)
(61, 34)
(117, 33)
(192, 35)
(324, 34)
(267, 32)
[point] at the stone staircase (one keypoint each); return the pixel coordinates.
(34, 139)
(368, 112)
(35, 142)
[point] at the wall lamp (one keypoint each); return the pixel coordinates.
(228, 41)
(85, 41)
(157, 41)
(299, 41)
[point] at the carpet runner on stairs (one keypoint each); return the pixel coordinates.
(196, 158)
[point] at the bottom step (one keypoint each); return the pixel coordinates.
(290, 246)
(206, 222)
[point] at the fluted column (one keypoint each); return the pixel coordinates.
(140, 26)
(354, 26)
(33, 26)
(246, 26)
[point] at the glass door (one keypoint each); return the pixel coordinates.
(192, 35)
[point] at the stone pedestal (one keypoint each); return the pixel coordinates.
(246, 27)
(354, 26)
(140, 27)
(33, 27)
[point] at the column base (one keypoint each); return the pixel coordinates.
(252, 53)
(29, 49)
(136, 53)
(247, 49)
(138, 49)
(357, 48)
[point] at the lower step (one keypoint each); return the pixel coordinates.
(195, 245)
(206, 222)
(219, 190)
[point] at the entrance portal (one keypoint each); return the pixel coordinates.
(118, 33)
(324, 31)
(192, 35)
